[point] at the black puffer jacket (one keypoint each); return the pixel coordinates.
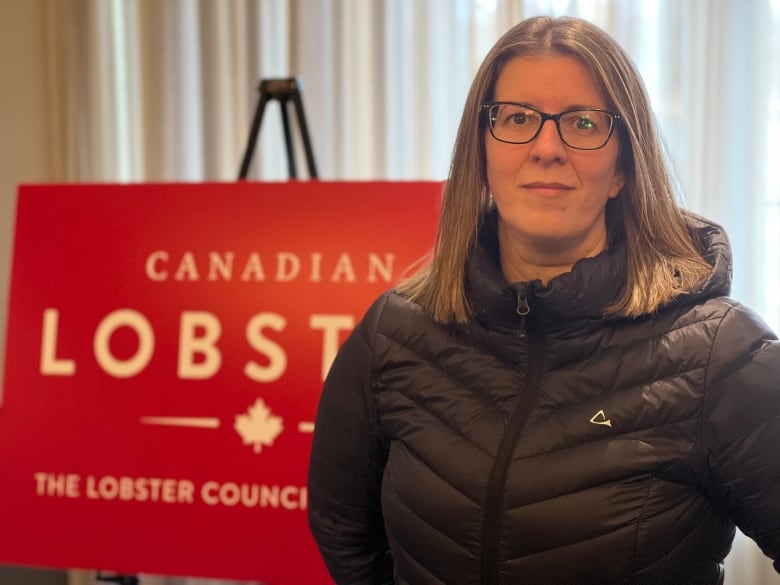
(558, 447)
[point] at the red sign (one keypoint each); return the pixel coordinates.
(166, 348)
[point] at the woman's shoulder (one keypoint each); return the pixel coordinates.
(719, 310)
(397, 319)
(738, 336)
(391, 309)
(731, 315)
(721, 329)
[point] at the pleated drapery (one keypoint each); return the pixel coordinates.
(151, 90)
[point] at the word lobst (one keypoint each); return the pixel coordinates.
(199, 356)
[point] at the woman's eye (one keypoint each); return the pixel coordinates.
(519, 119)
(585, 123)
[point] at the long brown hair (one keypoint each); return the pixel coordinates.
(662, 258)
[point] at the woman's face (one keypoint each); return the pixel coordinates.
(550, 197)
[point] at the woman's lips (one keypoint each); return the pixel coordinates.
(541, 185)
(548, 188)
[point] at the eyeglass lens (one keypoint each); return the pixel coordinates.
(515, 123)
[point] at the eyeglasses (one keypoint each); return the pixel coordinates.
(583, 129)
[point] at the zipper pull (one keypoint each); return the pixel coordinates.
(522, 305)
(522, 309)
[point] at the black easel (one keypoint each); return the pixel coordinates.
(284, 90)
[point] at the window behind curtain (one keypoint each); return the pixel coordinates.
(146, 90)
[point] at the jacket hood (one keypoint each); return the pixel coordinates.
(591, 286)
(713, 243)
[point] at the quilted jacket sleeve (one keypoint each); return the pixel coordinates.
(741, 427)
(345, 472)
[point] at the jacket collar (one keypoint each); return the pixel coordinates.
(585, 292)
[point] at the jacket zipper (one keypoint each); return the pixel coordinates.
(491, 527)
(522, 305)
(522, 309)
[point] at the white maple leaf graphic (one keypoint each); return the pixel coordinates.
(259, 426)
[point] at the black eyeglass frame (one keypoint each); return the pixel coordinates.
(614, 118)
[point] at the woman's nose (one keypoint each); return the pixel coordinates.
(548, 146)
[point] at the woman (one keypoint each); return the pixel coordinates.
(564, 394)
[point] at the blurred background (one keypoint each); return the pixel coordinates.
(165, 90)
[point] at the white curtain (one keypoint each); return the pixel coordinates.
(151, 90)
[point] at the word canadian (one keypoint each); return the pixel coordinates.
(284, 267)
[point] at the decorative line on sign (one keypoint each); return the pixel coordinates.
(306, 427)
(181, 421)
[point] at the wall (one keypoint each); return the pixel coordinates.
(23, 158)
(23, 113)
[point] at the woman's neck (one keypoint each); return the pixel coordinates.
(526, 263)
